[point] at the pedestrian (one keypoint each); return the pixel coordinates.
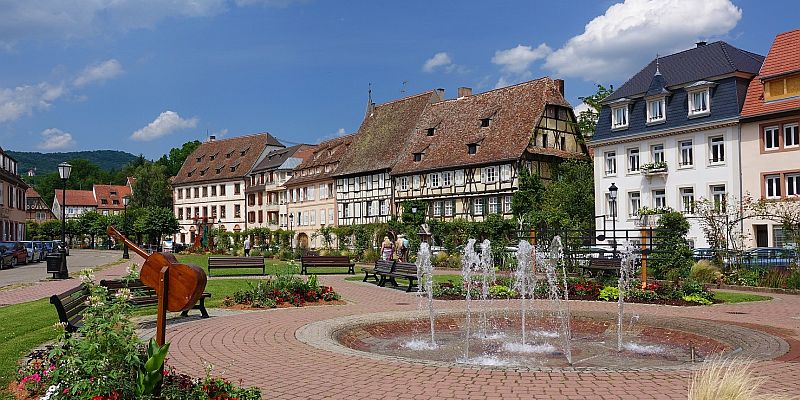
(399, 249)
(386, 249)
(247, 247)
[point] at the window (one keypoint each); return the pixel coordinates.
(611, 163)
(403, 184)
(505, 173)
(312, 217)
(196, 192)
(655, 110)
(447, 179)
(611, 207)
(793, 184)
(489, 174)
(633, 160)
(237, 188)
(448, 208)
(180, 213)
(659, 198)
(493, 206)
(214, 190)
(698, 102)
(634, 203)
(179, 193)
(435, 180)
(460, 177)
(791, 135)
(430, 131)
(237, 211)
(619, 117)
(415, 182)
(485, 122)
(222, 190)
(437, 208)
(205, 191)
(472, 148)
(771, 138)
(717, 144)
(213, 211)
(687, 200)
(782, 88)
(719, 197)
(544, 140)
(506, 204)
(102, 201)
(417, 156)
(330, 215)
(478, 207)
(772, 185)
(658, 153)
(222, 212)
(686, 153)
(384, 207)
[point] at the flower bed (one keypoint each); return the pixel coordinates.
(687, 294)
(285, 290)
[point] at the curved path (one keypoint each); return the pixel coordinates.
(260, 349)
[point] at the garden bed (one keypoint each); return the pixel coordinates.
(246, 307)
(283, 291)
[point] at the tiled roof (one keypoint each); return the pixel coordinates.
(275, 158)
(326, 153)
(224, 159)
(383, 135)
(783, 57)
(514, 112)
(31, 192)
(110, 193)
(77, 198)
(713, 59)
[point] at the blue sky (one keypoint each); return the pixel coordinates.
(147, 75)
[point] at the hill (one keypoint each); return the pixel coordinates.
(47, 162)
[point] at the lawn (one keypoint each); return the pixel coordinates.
(274, 267)
(736, 297)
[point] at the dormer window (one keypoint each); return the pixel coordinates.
(485, 122)
(243, 152)
(417, 157)
(619, 117)
(229, 154)
(472, 148)
(233, 168)
(656, 110)
(430, 131)
(699, 94)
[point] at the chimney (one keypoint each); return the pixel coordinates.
(560, 85)
(212, 138)
(440, 94)
(701, 43)
(464, 92)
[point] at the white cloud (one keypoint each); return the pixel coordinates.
(99, 72)
(518, 59)
(56, 139)
(166, 123)
(629, 34)
(269, 3)
(341, 132)
(438, 60)
(24, 100)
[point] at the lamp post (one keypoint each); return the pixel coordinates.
(291, 234)
(125, 201)
(64, 169)
(612, 195)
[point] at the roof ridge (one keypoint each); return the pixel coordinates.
(429, 92)
(547, 77)
(724, 47)
(247, 135)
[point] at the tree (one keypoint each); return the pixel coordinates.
(568, 201)
(672, 250)
(526, 202)
(174, 161)
(152, 187)
(721, 223)
(587, 120)
(50, 229)
(156, 222)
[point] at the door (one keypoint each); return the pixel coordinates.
(762, 237)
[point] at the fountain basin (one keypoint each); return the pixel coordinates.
(653, 343)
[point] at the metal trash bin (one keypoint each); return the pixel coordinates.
(54, 265)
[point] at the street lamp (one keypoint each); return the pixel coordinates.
(64, 169)
(612, 195)
(291, 237)
(125, 201)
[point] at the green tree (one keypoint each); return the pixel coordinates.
(672, 250)
(152, 187)
(527, 201)
(93, 224)
(177, 155)
(568, 201)
(50, 229)
(587, 120)
(156, 222)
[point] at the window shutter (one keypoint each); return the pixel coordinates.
(483, 175)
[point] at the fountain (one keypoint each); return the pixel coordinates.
(486, 269)
(551, 265)
(469, 264)
(626, 272)
(425, 279)
(524, 282)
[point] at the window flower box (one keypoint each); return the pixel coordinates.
(654, 168)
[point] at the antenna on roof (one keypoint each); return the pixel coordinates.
(370, 104)
(403, 88)
(657, 71)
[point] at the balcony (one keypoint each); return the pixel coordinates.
(654, 169)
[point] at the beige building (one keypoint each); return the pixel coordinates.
(12, 199)
(266, 193)
(311, 192)
(770, 144)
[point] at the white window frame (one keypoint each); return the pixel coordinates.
(489, 174)
(634, 203)
(494, 205)
(507, 204)
(706, 95)
(716, 148)
(657, 153)
(437, 208)
(448, 208)
(477, 206)
(415, 182)
(434, 180)
(633, 160)
(661, 102)
(459, 177)
(403, 183)
(792, 184)
(686, 153)
(447, 179)
(772, 186)
(330, 216)
(659, 198)
(505, 173)
(791, 131)
(775, 132)
(719, 196)
(610, 158)
(687, 199)
(619, 117)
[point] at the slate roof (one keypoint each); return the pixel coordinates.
(783, 57)
(276, 158)
(713, 59)
(514, 112)
(104, 192)
(328, 152)
(383, 136)
(212, 161)
(77, 198)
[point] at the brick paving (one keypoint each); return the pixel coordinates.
(260, 348)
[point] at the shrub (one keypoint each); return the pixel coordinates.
(255, 252)
(440, 259)
(704, 271)
(285, 288)
(370, 256)
(609, 293)
(742, 277)
(501, 291)
(642, 294)
(696, 298)
(730, 379)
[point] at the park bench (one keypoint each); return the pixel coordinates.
(69, 306)
(143, 295)
(600, 266)
(381, 267)
(400, 270)
(326, 261)
(221, 262)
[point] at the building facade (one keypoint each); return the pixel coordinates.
(266, 193)
(109, 198)
(12, 199)
(668, 137)
(210, 186)
(78, 203)
(35, 207)
(311, 192)
(465, 153)
(771, 136)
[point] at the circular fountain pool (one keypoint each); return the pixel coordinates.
(649, 342)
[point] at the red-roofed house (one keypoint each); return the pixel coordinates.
(78, 202)
(771, 134)
(109, 198)
(37, 210)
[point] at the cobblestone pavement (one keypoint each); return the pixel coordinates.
(30, 282)
(261, 349)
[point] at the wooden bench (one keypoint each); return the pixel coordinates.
(143, 295)
(599, 266)
(70, 305)
(221, 262)
(381, 267)
(326, 261)
(400, 270)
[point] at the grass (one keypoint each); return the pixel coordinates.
(273, 267)
(735, 297)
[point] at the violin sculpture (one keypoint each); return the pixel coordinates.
(186, 282)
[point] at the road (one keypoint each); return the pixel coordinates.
(24, 275)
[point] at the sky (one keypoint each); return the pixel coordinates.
(144, 76)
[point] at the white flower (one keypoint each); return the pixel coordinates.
(50, 391)
(124, 294)
(95, 301)
(131, 270)
(87, 275)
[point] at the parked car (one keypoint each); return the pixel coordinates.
(42, 249)
(770, 257)
(57, 244)
(17, 251)
(34, 250)
(48, 246)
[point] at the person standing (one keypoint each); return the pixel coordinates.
(247, 247)
(386, 249)
(399, 249)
